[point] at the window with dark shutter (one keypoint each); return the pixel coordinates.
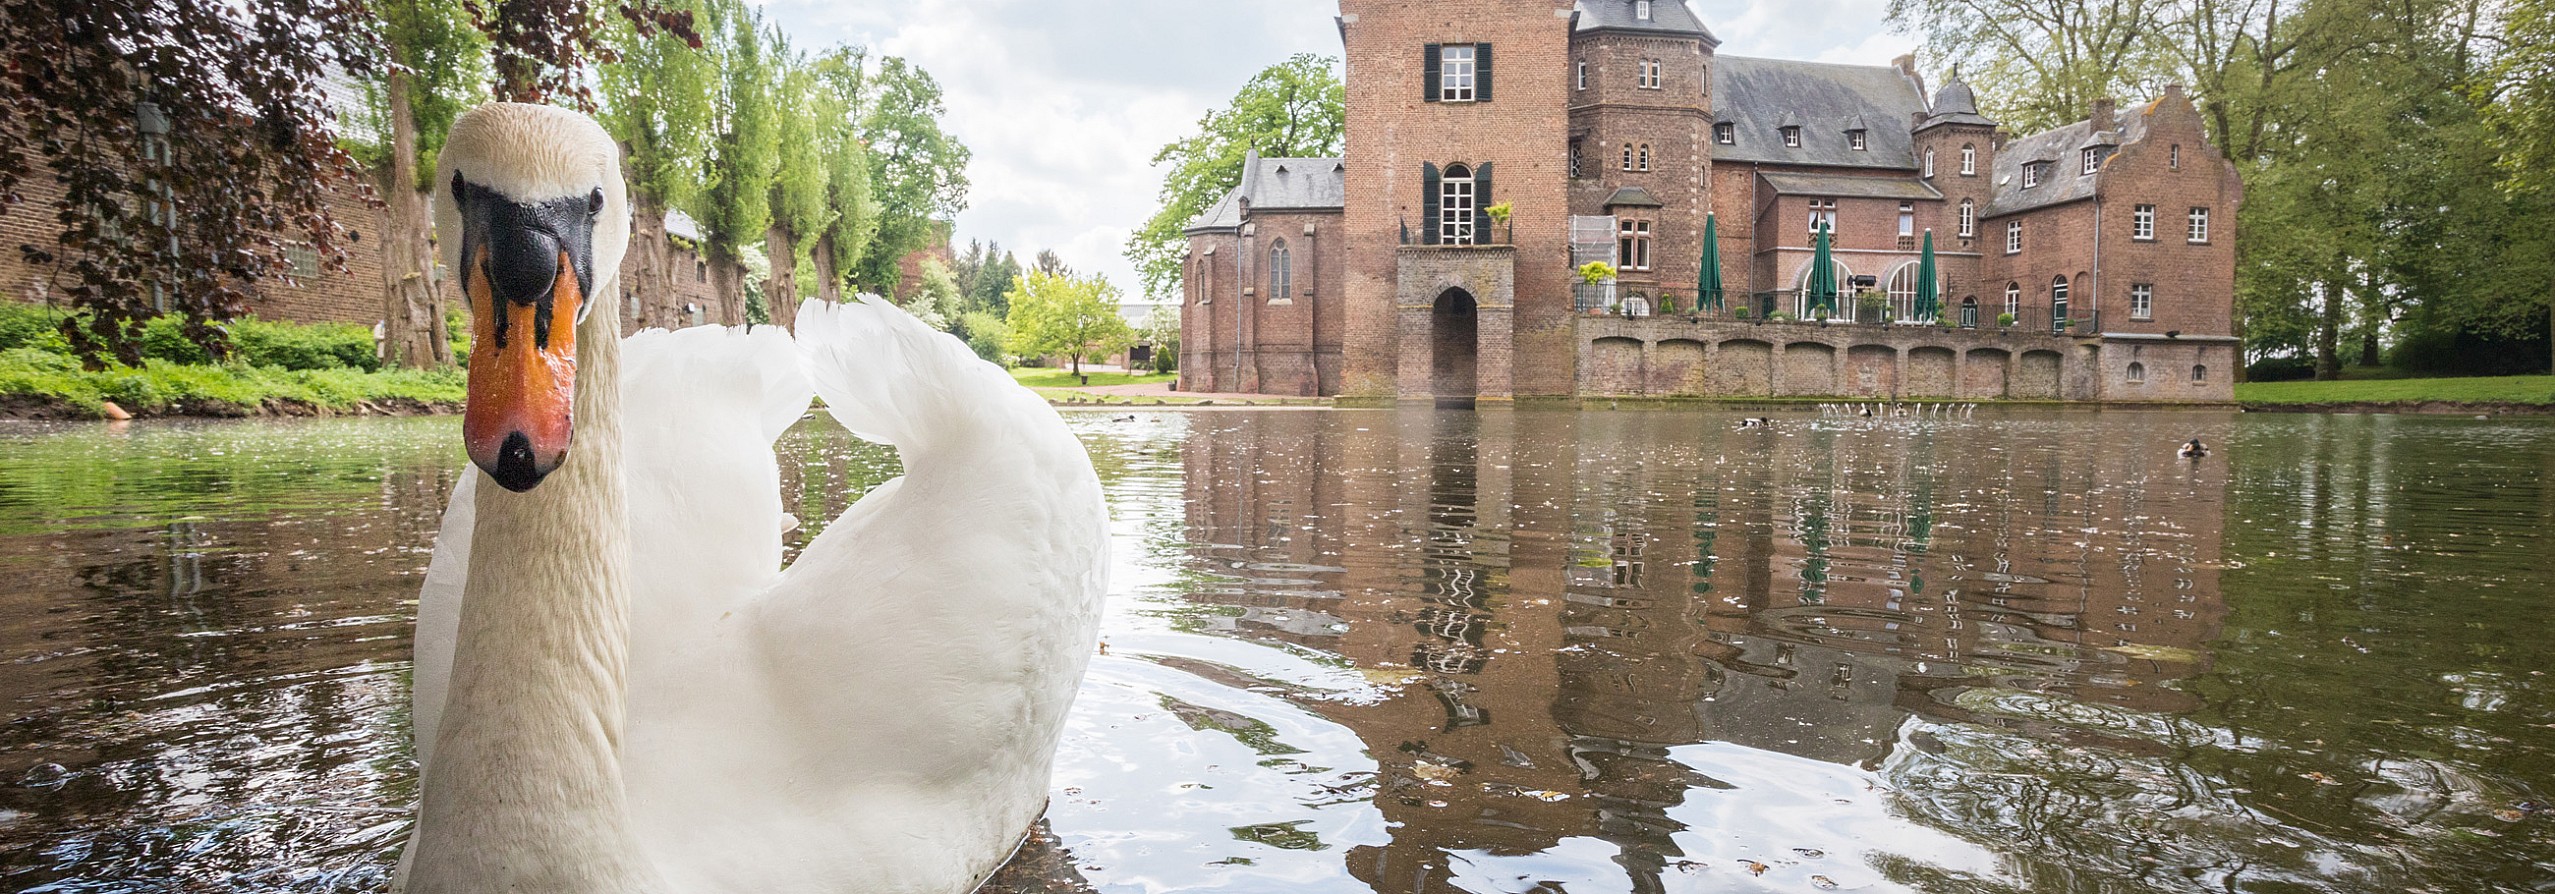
(1481, 72)
(1428, 200)
(1482, 201)
(1429, 72)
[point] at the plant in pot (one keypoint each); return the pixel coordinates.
(1595, 272)
(1499, 216)
(1667, 304)
(1741, 312)
(2005, 321)
(1780, 317)
(1871, 307)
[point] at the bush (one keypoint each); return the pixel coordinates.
(2280, 369)
(1741, 312)
(164, 339)
(304, 346)
(2445, 351)
(2005, 321)
(31, 326)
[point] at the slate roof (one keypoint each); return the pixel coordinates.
(1666, 16)
(2059, 147)
(1903, 188)
(1955, 104)
(1632, 195)
(1760, 96)
(1277, 184)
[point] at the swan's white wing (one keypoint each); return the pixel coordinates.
(439, 614)
(892, 701)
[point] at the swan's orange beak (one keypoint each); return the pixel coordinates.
(524, 271)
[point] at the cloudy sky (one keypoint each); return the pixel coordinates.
(1064, 102)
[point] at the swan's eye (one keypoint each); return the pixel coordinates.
(594, 201)
(456, 189)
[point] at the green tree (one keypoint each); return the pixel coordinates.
(1074, 316)
(436, 66)
(991, 290)
(985, 334)
(1295, 108)
(917, 171)
(851, 204)
(1162, 331)
(656, 104)
(735, 204)
(801, 203)
(2521, 93)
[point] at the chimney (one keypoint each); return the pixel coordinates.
(2102, 118)
(1906, 64)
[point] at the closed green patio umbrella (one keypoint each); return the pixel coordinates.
(1707, 287)
(1822, 276)
(1928, 300)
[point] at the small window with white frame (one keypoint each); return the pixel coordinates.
(2142, 223)
(1855, 140)
(1653, 73)
(1929, 162)
(1627, 156)
(2013, 299)
(1823, 215)
(1969, 218)
(1642, 162)
(1792, 138)
(1582, 70)
(2013, 237)
(1633, 244)
(2093, 160)
(1725, 133)
(2199, 225)
(2031, 174)
(2142, 301)
(1969, 161)
(1455, 73)
(1641, 9)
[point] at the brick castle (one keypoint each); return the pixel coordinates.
(2093, 261)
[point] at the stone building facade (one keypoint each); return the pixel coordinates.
(1614, 130)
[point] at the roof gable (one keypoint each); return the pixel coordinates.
(1759, 97)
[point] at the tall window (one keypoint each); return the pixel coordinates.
(1575, 156)
(1969, 161)
(1792, 137)
(2058, 304)
(2142, 301)
(2013, 236)
(1582, 69)
(1281, 273)
(1627, 156)
(1725, 133)
(2142, 223)
(1907, 220)
(1823, 215)
(1929, 161)
(1644, 163)
(1854, 140)
(1633, 244)
(1651, 74)
(1969, 219)
(1969, 311)
(2173, 158)
(1455, 73)
(2199, 224)
(1902, 290)
(1455, 206)
(2013, 299)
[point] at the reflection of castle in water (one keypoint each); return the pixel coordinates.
(1574, 593)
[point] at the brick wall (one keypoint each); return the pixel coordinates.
(1671, 123)
(1288, 344)
(2194, 283)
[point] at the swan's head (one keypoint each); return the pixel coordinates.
(532, 214)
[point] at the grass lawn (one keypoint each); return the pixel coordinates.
(2538, 390)
(1042, 377)
(213, 389)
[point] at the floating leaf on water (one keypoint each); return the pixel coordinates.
(1754, 867)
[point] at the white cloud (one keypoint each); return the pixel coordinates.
(1064, 103)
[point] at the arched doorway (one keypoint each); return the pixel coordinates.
(1454, 337)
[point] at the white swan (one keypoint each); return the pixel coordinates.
(618, 688)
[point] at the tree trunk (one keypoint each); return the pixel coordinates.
(829, 281)
(646, 269)
(2328, 334)
(2369, 345)
(727, 286)
(413, 332)
(780, 293)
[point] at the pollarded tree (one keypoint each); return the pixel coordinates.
(735, 203)
(657, 106)
(1063, 314)
(437, 67)
(1292, 109)
(851, 203)
(799, 199)
(917, 171)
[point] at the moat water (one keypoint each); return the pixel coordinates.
(1513, 651)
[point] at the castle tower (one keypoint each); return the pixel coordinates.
(1956, 154)
(1640, 107)
(1455, 106)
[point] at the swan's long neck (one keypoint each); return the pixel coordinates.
(525, 792)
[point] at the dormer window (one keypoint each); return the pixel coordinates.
(1854, 140)
(2093, 161)
(1641, 9)
(1792, 138)
(1725, 133)
(2031, 173)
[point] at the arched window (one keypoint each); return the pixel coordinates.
(1969, 218)
(2137, 372)
(1636, 306)
(1455, 206)
(2057, 303)
(1903, 283)
(1804, 305)
(1627, 156)
(2014, 299)
(2200, 373)
(1969, 160)
(1645, 157)
(1929, 161)
(1281, 273)
(1969, 311)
